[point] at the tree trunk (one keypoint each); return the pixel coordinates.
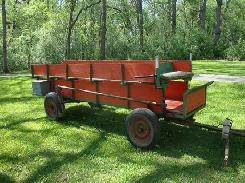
(4, 51)
(48, 4)
(217, 29)
(174, 16)
(140, 20)
(202, 14)
(103, 30)
(170, 12)
(70, 27)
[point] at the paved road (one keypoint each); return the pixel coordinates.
(220, 78)
(13, 75)
(205, 77)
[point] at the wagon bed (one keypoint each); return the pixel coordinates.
(131, 84)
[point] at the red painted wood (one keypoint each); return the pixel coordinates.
(57, 70)
(176, 90)
(65, 92)
(104, 71)
(112, 70)
(139, 69)
(85, 85)
(113, 89)
(174, 105)
(79, 70)
(40, 69)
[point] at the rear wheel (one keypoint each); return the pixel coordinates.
(54, 106)
(142, 127)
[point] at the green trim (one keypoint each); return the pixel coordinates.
(194, 111)
(91, 72)
(128, 95)
(163, 98)
(159, 114)
(32, 71)
(94, 102)
(198, 87)
(73, 86)
(67, 71)
(122, 74)
(97, 90)
(109, 95)
(47, 71)
(191, 91)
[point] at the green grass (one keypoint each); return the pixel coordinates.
(89, 145)
(233, 68)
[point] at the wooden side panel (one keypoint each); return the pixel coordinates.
(40, 70)
(179, 65)
(132, 70)
(79, 70)
(113, 89)
(105, 71)
(65, 92)
(195, 99)
(85, 85)
(176, 90)
(182, 65)
(57, 70)
(146, 92)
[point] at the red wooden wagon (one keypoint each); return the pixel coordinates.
(153, 89)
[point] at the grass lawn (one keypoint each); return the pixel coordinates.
(236, 68)
(89, 145)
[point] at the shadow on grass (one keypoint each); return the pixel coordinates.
(17, 122)
(175, 141)
(10, 100)
(55, 163)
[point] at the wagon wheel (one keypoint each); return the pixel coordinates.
(142, 127)
(54, 106)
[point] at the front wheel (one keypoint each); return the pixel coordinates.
(142, 128)
(54, 106)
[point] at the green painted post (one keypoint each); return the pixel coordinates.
(128, 95)
(97, 90)
(91, 72)
(122, 74)
(67, 71)
(32, 71)
(73, 86)
(47, 71)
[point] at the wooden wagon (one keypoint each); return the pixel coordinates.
(153, 89)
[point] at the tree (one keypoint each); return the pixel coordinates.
(4, 37)
(218, 21)
(174, 16)
(72, 23)
(202, 14)
(140, 21)
(70, 27)
(103, 29)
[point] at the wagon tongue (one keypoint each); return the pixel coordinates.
(225, 136)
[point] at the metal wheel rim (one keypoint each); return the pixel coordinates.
(140, 131)
(51, 108)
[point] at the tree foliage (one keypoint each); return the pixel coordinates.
(48, 31)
